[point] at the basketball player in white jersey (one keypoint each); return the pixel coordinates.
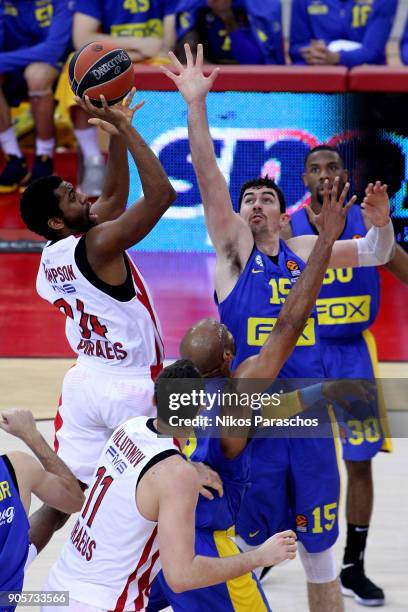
(142, 500)
(112, 555)
(110, 319)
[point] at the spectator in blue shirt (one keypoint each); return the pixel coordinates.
(145, 27)
(232, 31)
(146, 30)
(404, 44)
(35, 39)
(345, 32)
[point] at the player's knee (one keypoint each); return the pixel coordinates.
(40, 78)
(359, 470)
(319, 567)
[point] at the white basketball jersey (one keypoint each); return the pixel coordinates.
(112, 555)
(100, 328)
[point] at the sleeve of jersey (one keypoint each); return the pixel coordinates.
(170, 7)
(245, 48)
(91, 8)
(300, 31)
(54, 48)
(375, 38)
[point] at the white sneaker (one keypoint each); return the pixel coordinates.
(93, 176)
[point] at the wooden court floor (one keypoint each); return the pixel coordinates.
(35, 384)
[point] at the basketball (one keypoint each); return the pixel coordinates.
(101, 68)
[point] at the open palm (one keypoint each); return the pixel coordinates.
(108, 117)
(376, 204)
(190, 79)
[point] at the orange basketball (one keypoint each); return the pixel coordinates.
(101, 68)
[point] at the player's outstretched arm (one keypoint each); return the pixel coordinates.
(183, 569)
(107, 240)
(51, 481)
(398, 265)
(377, 246)
(115, 192)
(225, 227)
(301, 298)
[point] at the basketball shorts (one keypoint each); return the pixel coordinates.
(367, 431)
(295, 484)
(93, 404)
(243, 594)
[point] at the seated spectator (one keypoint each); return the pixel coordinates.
(342, 32)
(232, 31)
(145, 27)
(35, 39)
(404, 45)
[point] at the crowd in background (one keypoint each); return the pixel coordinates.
(37, 37)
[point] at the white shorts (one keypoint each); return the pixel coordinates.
(93, 404)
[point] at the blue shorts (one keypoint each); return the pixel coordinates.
(295, 485)
(243, 594)
(356, 357)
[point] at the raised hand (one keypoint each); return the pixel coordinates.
(111, 118)
(190, 79)
(18, 422)
(376, 204)
(278, 548)
(332, 217)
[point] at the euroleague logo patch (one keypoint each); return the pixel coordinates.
(301, 522)
(293, 267)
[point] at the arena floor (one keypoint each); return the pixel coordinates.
(35, 383)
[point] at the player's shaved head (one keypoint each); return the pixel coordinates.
(210, 346)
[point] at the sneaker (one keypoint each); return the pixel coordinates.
(14, 173)
(43, 166)
(354, 583)
(93, 176)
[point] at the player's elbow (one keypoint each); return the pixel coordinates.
(171, 195)
(177, 580)
(74, 502)
(167, 196)
(178, 586)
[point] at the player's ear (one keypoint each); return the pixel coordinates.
(227, 356)
(284, 220)
(56, 223)
(304, 178)
(345, 175)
